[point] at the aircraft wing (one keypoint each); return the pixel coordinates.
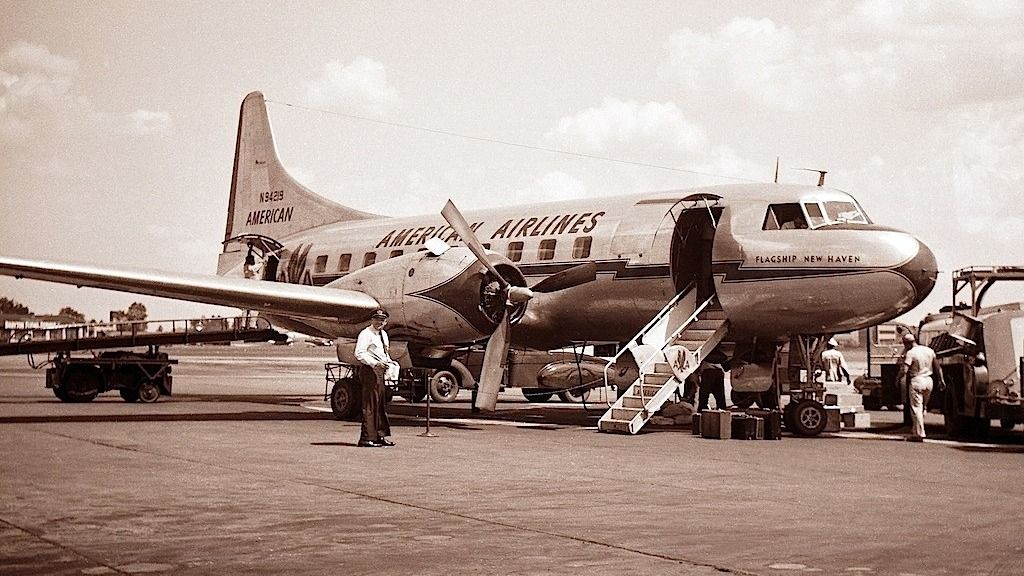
(273, 297)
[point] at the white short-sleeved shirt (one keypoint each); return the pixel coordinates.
(919, 364)
(833, 360)
(372, 347)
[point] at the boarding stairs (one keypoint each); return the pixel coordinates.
(683, 333)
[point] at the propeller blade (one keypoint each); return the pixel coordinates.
(567, 278)
(495, 358)
(461, 226)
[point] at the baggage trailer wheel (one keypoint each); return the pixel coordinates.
(444, 386)
(149, 392)
(345, 399)
(81, 383)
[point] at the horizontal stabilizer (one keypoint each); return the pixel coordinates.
(346, 306)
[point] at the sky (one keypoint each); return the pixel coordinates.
(118, 119)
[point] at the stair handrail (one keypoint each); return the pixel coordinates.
(682, 326)
(667, 309)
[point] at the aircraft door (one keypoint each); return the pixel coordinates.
(693, 239)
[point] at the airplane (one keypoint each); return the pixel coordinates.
(778, 260)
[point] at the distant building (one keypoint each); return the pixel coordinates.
(14, 328)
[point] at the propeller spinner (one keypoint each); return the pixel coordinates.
(502, 300)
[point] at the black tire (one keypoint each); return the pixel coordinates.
(1007, 424)
(809, 418)
(444, 386)
(957, 425)
(574, 396)
(346, 401)
(59, 393)
(787, 415)
(149, 392)
(536, 395)
(129, 394)
(81, 383)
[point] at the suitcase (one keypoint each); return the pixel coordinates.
(695, 427)
(745, 427)
(716, 424)
(772, 422)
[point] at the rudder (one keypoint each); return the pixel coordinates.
(265, 199)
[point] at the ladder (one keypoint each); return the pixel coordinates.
(690, 340)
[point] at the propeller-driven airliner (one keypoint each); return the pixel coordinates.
(775, 261)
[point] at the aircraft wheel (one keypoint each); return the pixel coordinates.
(536, 395)
(61, 394)
(345, 399)
(574, 396)
(149, 392)
(444, 386)
(809, 418)
(82, 383)
(129, 395)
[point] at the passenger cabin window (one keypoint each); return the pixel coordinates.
(369, 258)
(546, 250)
(320, 265)
(395, 253)
(344, 262)
(581, 247)
(515, 251)
(784, 217)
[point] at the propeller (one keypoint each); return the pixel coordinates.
(511, 297)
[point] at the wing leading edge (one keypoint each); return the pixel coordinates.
(348, 306)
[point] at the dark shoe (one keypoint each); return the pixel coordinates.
(385, 442)
(368, 444)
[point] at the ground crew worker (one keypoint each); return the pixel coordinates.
(712, 383)
(372, 349)
(919, 365)
(834, 363)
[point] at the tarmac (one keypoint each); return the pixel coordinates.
(242, 471)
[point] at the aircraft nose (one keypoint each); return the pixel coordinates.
(922, 271)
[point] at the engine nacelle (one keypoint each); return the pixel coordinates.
(446, 298)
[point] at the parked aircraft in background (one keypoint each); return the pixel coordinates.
(777, 260)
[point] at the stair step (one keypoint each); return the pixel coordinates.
(611, 425)
(655, 379)
(625, 413)
(706, 324)
(692, 333)
(646, 390)
(631, 401)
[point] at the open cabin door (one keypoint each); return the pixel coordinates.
(696, 220)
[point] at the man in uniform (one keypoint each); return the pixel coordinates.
(919, 365)
(834, 363)
(372, 349)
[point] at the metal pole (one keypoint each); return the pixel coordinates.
(427, 434)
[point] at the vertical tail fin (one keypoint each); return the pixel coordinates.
(265, 199)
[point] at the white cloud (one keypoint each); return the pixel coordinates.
(657, 127)
(360, 85)
(146, 122)
(36, 89)
(775, 66)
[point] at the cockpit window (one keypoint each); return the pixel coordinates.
(814, 214)
(842, 212)
(784, 217)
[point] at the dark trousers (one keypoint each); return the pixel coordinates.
(375, 416)
(712, 383)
